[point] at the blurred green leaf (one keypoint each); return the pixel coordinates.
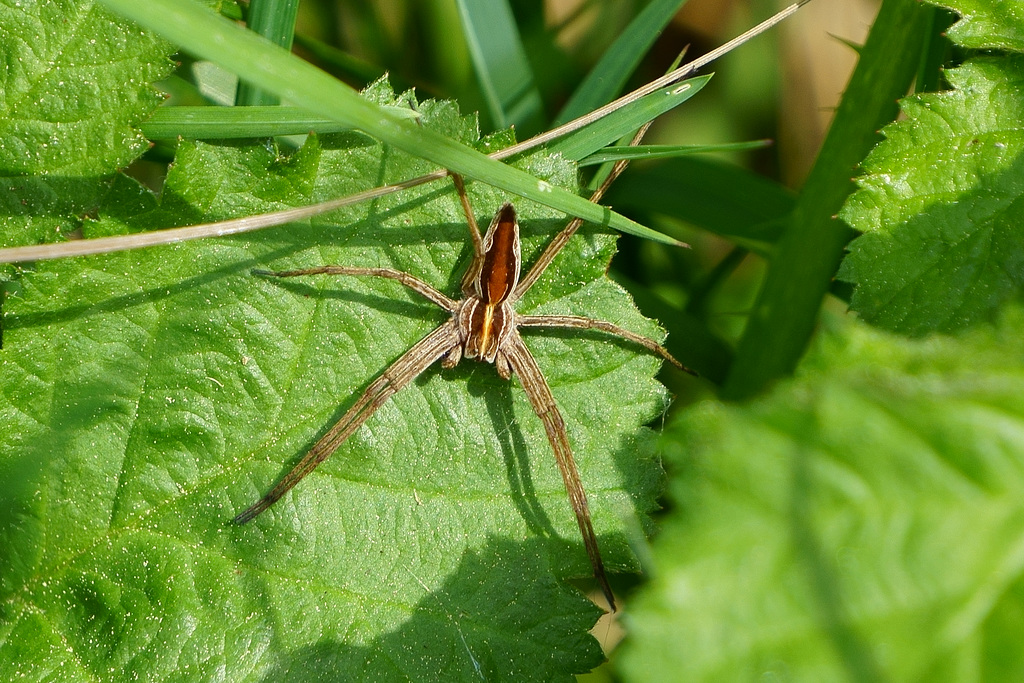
(860, 522)
(340, 61)
(943, 250)
(703, 192)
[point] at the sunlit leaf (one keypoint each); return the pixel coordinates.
(940, 206)
(987, 24)
(75, 85)
(150, 396)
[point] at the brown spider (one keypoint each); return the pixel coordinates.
(484, 326)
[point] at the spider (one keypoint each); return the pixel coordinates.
(483, 326)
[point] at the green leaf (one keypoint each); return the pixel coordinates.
(76, 84)
(987, 24)
(150, 396)
(862, 521)
(46, 122)
(942, 251)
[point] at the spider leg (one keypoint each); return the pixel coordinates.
(474, 233)
(474, 228)
(561, 239)
(400, 373)
(538, 392)
(412, 282)
(579, 322)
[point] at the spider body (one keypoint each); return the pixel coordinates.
(483, 326)
(485, 318)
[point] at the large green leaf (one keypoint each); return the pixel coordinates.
(149, 396)
(863, 521)
(943, 250)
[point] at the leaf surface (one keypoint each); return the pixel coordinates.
(75, 85)
(940, 206)
(862, 521)
(987, 24)
(153, 395)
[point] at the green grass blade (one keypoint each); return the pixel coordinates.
(648, 152)
(502, 68)
(606, 80)
(626, 120)
(206, 35)
(198, 123)
(275, 21)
